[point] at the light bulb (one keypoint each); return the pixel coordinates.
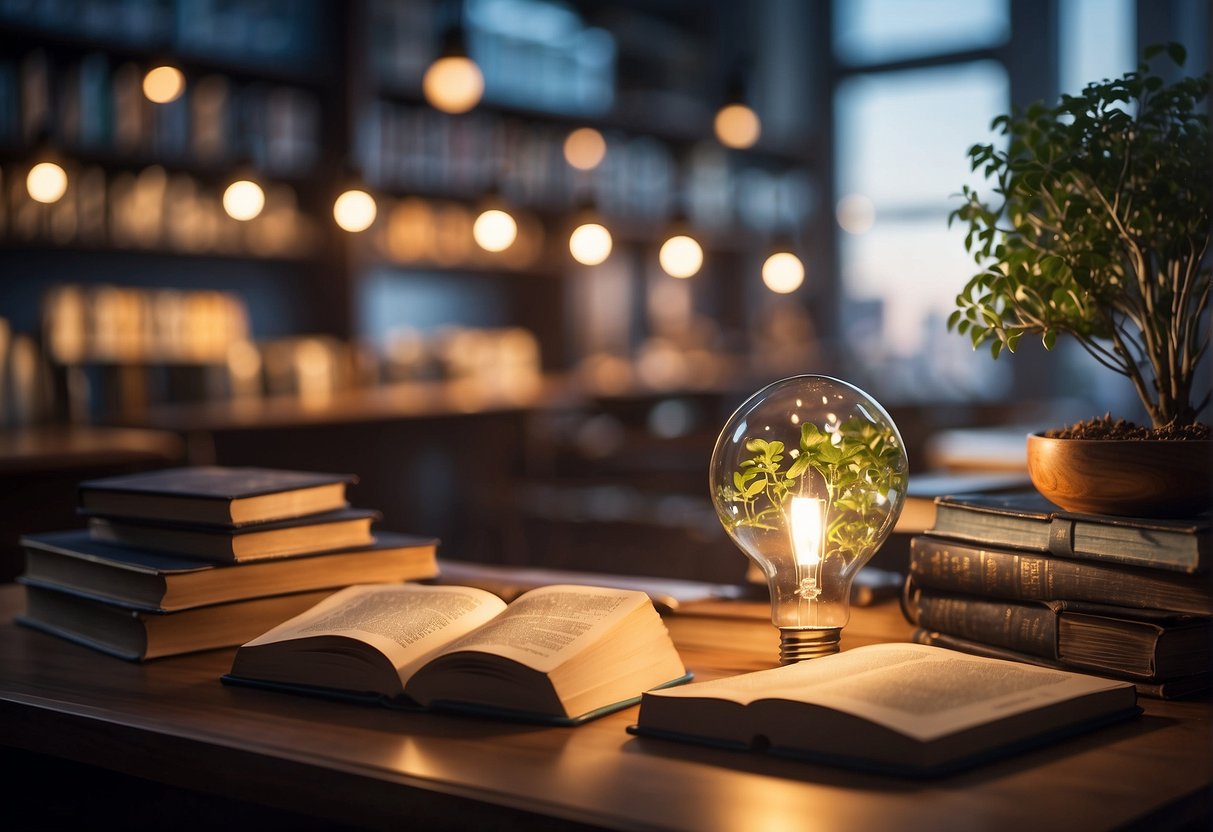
(590, 243)
(808, 478)
(737, 126)
(783, 272)
(856, 214)
(680, 256)
(585, 148)
(453, 84)
(46, 182)
(163, 84)
(243, 200)
(354, 210)
(495, 230)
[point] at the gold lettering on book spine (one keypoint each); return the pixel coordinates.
(989, 571)
(1031, 576)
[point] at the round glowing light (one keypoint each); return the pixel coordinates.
(453, 84)
(680, 256)
(163, 84)
(354, 210)
(243, 200)
(494, 230)
(585, 148)
(856, 214)
(46, 182)
(783, 272)
(590, 243)
(737, 126)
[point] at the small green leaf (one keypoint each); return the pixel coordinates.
(798, 467)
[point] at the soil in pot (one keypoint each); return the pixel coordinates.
(1105, 427)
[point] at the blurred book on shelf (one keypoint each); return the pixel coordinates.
(1003, 448)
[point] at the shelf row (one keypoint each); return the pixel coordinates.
(162, 209)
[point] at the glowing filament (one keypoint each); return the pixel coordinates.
(806, 524)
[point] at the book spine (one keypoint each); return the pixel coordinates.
(1028, 628)
(949, 565)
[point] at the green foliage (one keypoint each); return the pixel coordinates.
(860, 464)
(1099, 231)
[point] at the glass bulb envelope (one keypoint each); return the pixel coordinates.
(808, 478)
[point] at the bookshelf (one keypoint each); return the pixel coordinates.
(143, 203)
(309, 96)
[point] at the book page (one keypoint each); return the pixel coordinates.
(920, 691)
(408, 623)
(545, 626)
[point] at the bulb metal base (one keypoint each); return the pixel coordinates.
(798, 645)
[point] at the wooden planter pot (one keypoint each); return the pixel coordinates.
(1127, 477)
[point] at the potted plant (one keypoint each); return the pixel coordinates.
(1098, 230)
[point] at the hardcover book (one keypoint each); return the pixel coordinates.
(898, 708)
(1142, 644)
(138, 634)
(1175, 688)
(215, 495)
(924, 490)
(72, 561)
(559, 654)
(972, 569)
(1026, 520)
(328, 532)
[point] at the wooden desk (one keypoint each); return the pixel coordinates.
(173, 722)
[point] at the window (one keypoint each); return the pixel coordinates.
(1099, 36)
(920, 84)
(902, 137)
(877, 31)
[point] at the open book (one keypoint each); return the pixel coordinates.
(900, 708)
(559, 654)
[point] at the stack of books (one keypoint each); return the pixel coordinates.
(1013, 576)
(187, 559)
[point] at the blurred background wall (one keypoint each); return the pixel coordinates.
(493, 339)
